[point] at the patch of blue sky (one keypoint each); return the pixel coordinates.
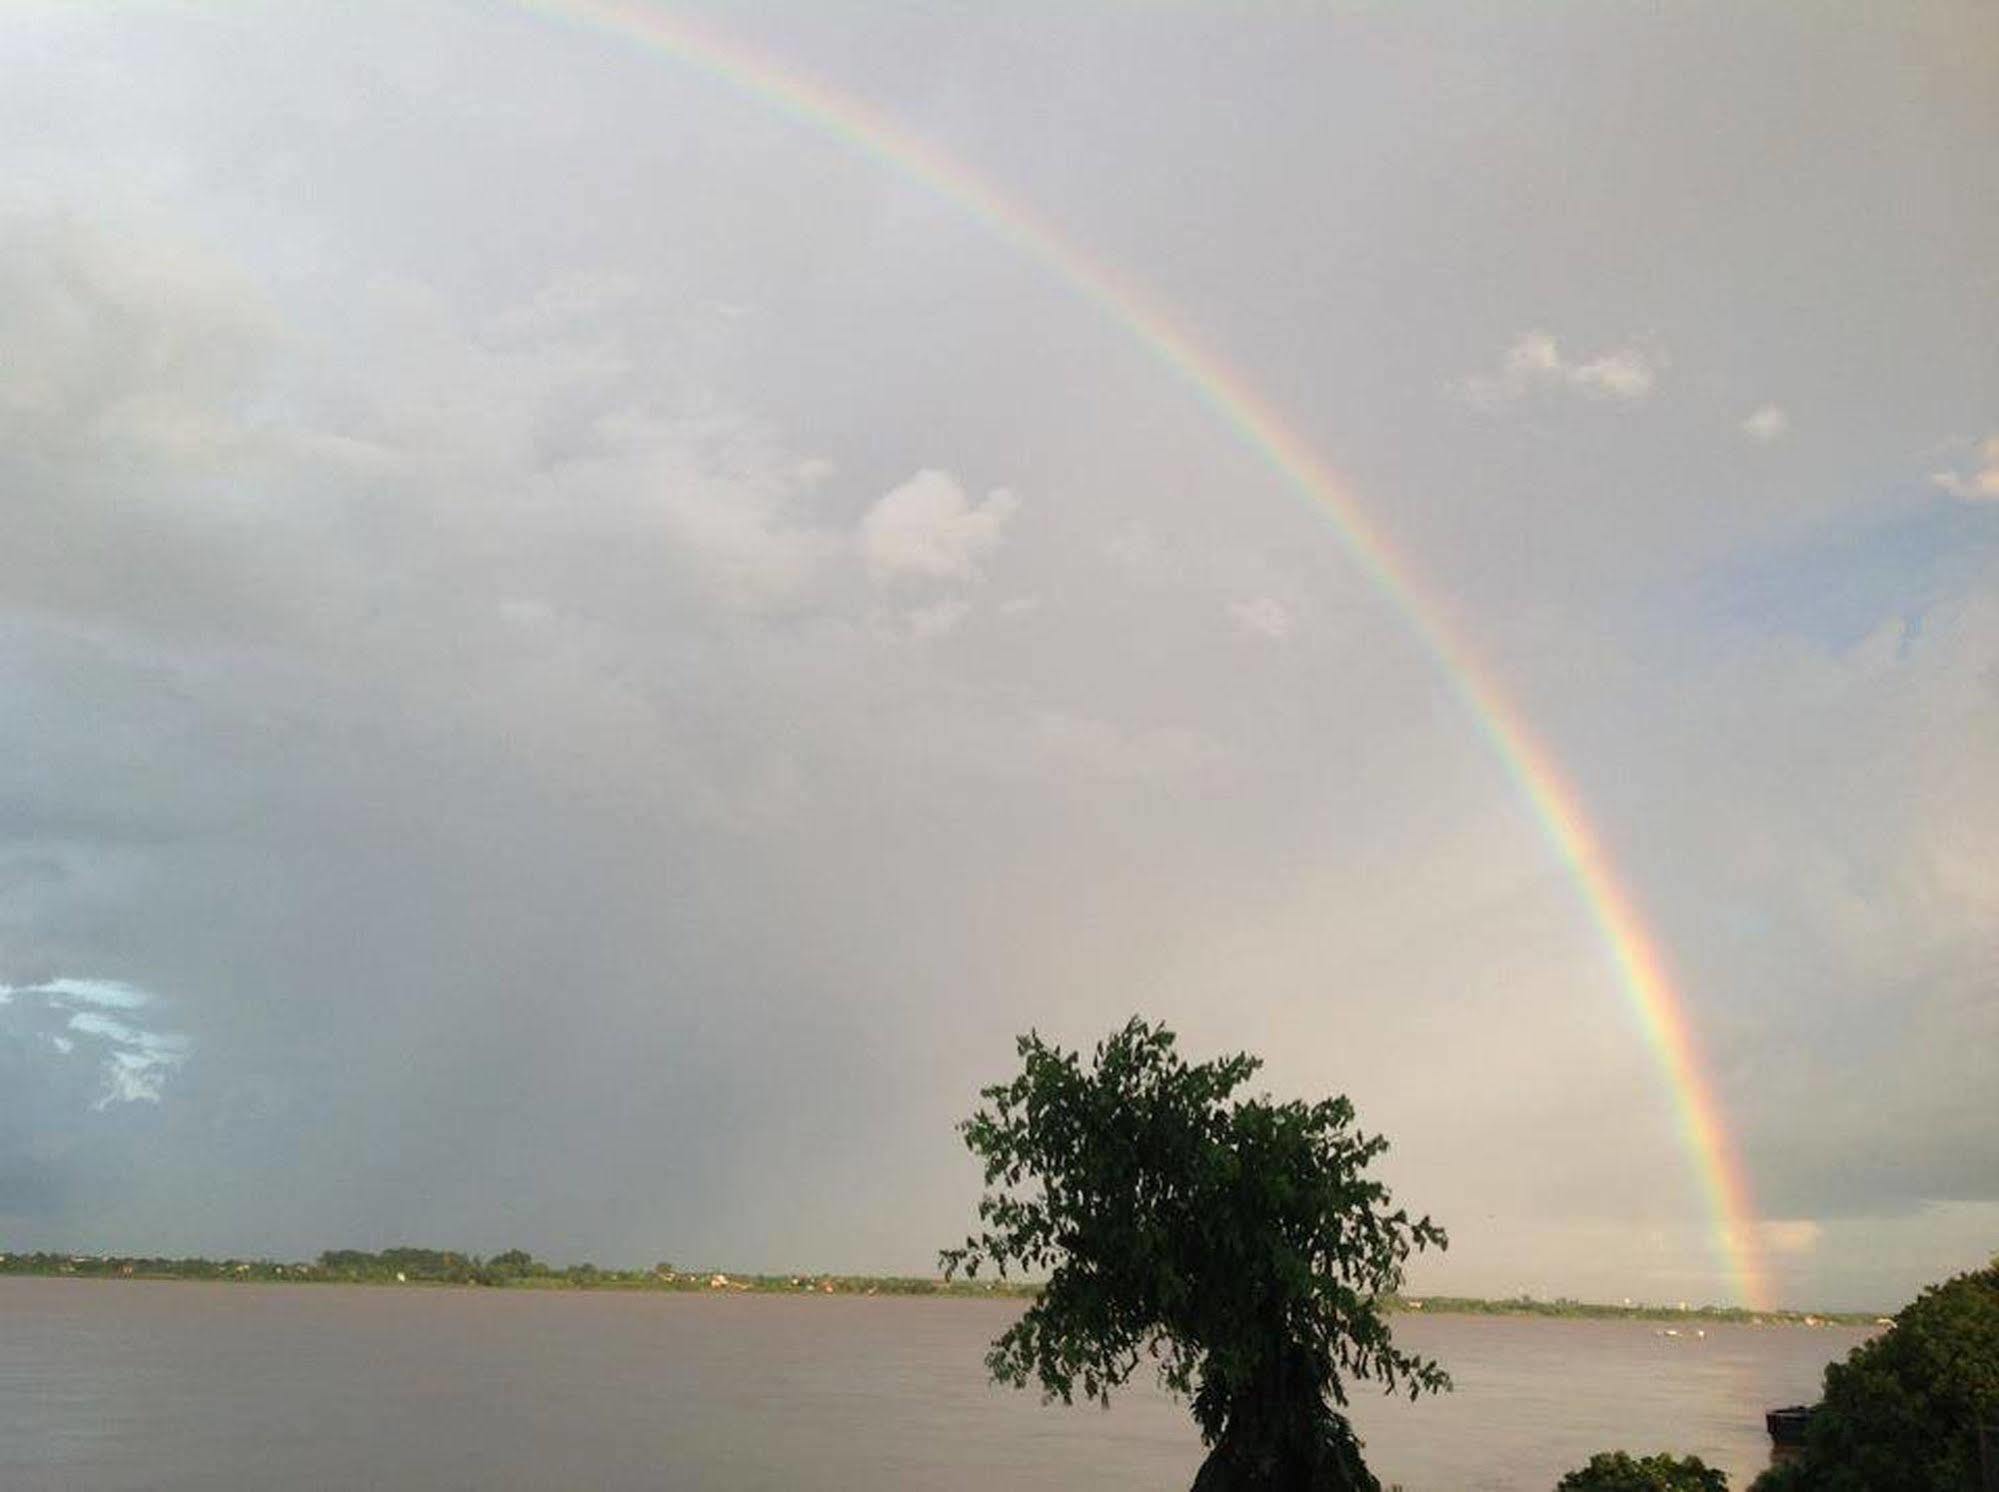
(1842, 584)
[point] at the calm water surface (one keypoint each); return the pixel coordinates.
(116, 1385)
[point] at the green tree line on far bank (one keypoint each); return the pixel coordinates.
(404, 1265)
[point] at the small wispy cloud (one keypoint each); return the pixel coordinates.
(1616, 375)
(1981, 483)
(137, 1076)
(1765, 424)
(1536, 363)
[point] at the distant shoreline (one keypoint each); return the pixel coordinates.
(518, 1271)
(1582, 1310)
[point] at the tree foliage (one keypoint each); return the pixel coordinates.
(1619, 1471)
(1901, 1414)
(1237, 1243)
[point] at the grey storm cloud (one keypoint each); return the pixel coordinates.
(581, 669)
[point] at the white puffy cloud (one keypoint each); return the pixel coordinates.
(1536, 363)
(1981, 484)
(1765, 424)
(929, 527)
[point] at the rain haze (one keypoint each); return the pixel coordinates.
(583, 648)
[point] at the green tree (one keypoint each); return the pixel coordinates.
(1619, 1471)
(1237, 1243)
(1785, 1476)
(507, 1266)
(1901, 1414)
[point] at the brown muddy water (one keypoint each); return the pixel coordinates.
(118, 1385)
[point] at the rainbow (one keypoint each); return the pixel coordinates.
(1640, 965)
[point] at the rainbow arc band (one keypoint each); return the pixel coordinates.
(1641, 968)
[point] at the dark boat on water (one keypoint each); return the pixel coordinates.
(1787, 1431)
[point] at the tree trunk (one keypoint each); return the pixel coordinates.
(1313, 1452)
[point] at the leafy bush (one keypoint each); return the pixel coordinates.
(1901, 1414)
(1619, 1471)
(1785, 1476)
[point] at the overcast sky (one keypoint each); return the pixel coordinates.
(579, 657)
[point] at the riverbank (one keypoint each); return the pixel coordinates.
(513, 1270)
(517, 1270)
(1582, 1310)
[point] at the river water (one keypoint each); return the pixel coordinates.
(118, 1385)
